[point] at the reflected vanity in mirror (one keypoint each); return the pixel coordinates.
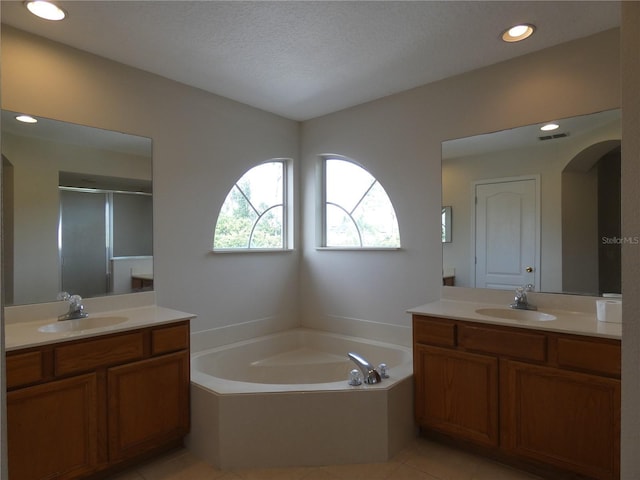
(537, 207)
(77, 211)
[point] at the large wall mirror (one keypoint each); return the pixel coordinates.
(77, 211)
(539, 207)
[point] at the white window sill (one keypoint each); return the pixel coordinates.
(253, 250)
(360, 249)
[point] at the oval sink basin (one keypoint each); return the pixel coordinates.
(513, 314)
(88, 323)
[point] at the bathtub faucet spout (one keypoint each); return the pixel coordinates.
(369, 373)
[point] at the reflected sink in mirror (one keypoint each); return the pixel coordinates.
(79, 324)
(514, 314)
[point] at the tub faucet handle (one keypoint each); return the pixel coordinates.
(355, 378)
(383, 370)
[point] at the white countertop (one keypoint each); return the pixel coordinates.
(142, 276)
(25, 334)
(572, 322)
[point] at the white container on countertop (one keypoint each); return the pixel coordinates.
(609, 309)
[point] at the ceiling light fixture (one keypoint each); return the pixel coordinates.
(45, 9)
(518, 32)
(549, 127)
(26, 119)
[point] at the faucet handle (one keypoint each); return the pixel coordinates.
(63, 296)
(75, 303)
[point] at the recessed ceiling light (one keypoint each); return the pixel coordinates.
(46, 10)
(549, 126)
(26, 119)
(518, 33)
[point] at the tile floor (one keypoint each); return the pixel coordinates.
(421, 460)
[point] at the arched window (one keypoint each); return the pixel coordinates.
(255, 213)
(357, 212)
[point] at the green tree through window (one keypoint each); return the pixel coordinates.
(357, 210)
(252, 215)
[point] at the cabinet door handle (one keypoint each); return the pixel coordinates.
(529, 269)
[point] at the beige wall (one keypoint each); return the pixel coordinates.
(630, 68)
(580, 232)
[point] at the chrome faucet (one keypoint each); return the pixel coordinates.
(76, 308)
(520, 302)
(369, 373)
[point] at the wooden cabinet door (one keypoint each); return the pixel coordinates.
(148, 404)
(457, 393)
(52, 429)
(567, 419)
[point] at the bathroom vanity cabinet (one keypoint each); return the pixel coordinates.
(543, 398)
(80, 407)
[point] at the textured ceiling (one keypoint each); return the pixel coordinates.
(303, 59)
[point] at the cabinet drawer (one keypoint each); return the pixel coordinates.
(585, 354)
(522, 345)
(170, 339)
(433, 331)
(92, 354)
(24, 368)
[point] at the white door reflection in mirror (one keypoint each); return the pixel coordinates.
(579, 197)
(506, 234)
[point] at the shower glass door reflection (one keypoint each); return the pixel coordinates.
(83, 242)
